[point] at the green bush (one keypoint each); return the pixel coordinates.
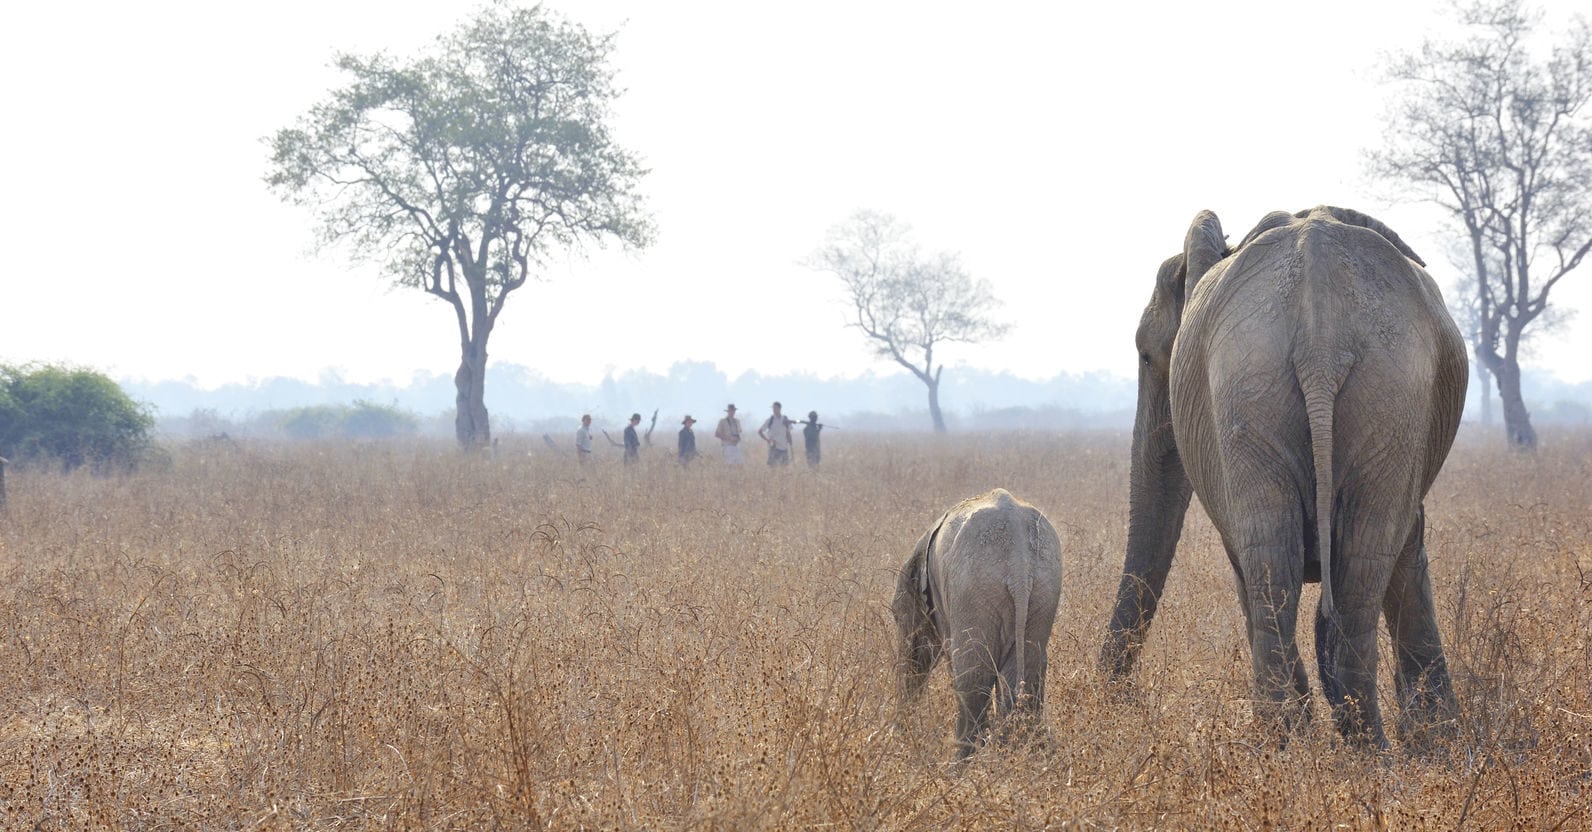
(368, 420)
(316, 422)
(362, 420)
(70, 416)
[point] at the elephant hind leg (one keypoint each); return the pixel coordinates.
(975, 683)
(1271, 581)
(1363, 561)
(1428, 708)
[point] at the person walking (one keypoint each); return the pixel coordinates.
(776, 432)
(810, 438)
(729, 435)
(583, 439)
(687, 440)
(632, 441)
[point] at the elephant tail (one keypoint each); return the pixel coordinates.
(1014, 671)
(1016, 665)
(1320, 393)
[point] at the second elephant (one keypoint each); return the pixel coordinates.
(982, 587)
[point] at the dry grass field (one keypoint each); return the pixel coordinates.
(400, 637)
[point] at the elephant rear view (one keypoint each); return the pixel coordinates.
(982, 586)
(1306, 385)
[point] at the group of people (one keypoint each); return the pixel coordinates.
(778, 431)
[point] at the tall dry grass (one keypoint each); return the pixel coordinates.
(401, 637)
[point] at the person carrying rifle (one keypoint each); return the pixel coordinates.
(688, 449)
(810, 437)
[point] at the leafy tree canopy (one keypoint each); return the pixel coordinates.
(71, 417)
(462, 169)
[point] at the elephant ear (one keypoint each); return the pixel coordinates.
(1203, 246)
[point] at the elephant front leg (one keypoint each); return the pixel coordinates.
(1428, 708)
(1270, 580)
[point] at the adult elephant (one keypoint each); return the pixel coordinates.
(1307, 385)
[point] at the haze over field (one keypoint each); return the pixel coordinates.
(1062, 151)
(524, 400)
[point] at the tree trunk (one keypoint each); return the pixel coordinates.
(470, 422)
(2, 483)
(1517, 421)
(934, 401)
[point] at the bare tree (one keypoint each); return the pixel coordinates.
(1502, 139)
(906, 304)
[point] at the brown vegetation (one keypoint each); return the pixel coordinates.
(404, 637)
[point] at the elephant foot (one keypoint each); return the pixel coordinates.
(1427, 735)
(1359, 724)
(1428, 712)
(1281, 720)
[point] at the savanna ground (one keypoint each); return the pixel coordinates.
(403, 637)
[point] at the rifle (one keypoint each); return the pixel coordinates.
(647, 436)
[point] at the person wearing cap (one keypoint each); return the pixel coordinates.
(776, 432)
(583, 440)
(810, 437)
(687, 440)
(632, 441)
(729, 435)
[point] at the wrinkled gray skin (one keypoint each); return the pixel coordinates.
(982, 585)
(1309, 389)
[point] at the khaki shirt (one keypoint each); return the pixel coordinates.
(729, 431)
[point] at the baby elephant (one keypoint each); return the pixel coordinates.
(982, 585)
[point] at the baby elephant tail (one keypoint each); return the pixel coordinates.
(1013, 693)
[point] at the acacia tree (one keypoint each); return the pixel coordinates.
(460, 170)
(906, 304)
(1502, 139)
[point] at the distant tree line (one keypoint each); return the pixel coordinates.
(360, 420)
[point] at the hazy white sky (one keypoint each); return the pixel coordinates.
(1061, 150)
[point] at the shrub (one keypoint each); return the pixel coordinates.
(71, 416)
(368, 420)
(362, 420)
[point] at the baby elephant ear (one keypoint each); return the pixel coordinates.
(1202, 247)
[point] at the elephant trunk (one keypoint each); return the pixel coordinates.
(1158, 498)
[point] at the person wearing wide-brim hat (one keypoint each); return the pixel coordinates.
(729, 435)
(687, 440)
